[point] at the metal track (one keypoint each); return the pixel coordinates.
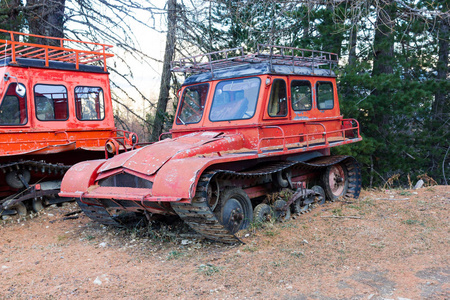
(30, 192)
(37, 166)
(199, 216)
(98, 214)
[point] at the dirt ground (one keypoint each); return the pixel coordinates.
(390, 244)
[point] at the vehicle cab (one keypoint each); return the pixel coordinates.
(278, 97)
(53, 99)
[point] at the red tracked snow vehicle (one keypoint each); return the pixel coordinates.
(55, 111)
(246, 126)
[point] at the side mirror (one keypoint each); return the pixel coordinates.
(20, 90)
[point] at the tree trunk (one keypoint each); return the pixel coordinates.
(46, 17)
(352, 45)
(166, 74)
(383, 43)
(442, 95)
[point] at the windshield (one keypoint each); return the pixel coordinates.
(192, 104)
(235, 99)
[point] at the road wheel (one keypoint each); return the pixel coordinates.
(37, 204)
(20, 209)
(279, 212)
(236, 211)
(335, 181)
(319, 199)
(13, 180)
(262, 213)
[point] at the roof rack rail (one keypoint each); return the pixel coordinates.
(14, 49)
(271, 54)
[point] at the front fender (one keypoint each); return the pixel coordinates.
(80, 177)
(178, 177)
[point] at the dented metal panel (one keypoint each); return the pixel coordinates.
(149, 159)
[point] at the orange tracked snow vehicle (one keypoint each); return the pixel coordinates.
(247, 125)
(55, 111)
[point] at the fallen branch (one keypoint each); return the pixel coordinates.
(394, 199)
(348, 217)
(72, 213)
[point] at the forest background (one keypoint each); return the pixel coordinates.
(393, 74)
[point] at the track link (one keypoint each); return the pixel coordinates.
(199, 216)
(36, 166)
(98, 214)
(354, 178)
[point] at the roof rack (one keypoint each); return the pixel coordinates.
(271, 54)
(14, 49)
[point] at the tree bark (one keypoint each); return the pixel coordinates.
(383, 43)
(352, 44)
(442, 95)
(46, 17)
(166, 74)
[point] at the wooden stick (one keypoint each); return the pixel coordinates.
(395, 199)
(349, 217)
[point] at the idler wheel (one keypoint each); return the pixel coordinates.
(236, 211)
(335, 180)
(262, 213)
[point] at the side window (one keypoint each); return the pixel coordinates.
(278, 99)
(89, 103)
(13, 109)
(325, 95)
(192, 104)
(51, 102)
(301, 95)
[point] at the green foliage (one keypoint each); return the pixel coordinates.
(394, 86)
(11, 16)
(208, 269)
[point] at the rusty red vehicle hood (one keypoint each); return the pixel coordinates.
(148, 160)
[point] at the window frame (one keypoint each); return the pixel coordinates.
(256, 103)
(317, 94)
(270, 97)
(35, 105)
(25, 100)
(75, 103)
(311, 94)
(177, 117)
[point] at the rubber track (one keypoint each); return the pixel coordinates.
(202, 219)
(98, 214)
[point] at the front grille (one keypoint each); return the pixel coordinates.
(126, 180)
